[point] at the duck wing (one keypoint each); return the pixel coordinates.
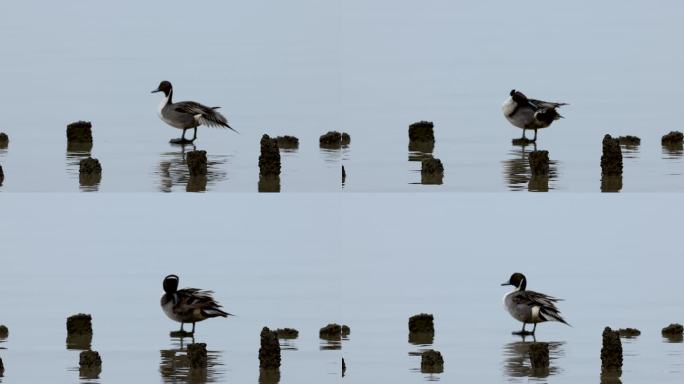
(540, 104)
(190, 299)
(546, 304)
(208, 116)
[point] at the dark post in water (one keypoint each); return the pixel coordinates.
(269, 353)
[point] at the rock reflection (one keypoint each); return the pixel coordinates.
(673, 151)
(333, 342)
(79, 342)
(89, 373)
(330, 344)
(196, 183)
(269, 376)
(287, 344)
(678, 338)
(269, 184)
(611, 376)
(76, 152)
(332, 157)
(421, 338)
(174, 366)
(173, 171)
(518, 174)
(674, 353)
(420, 150)
(630, 151)
(89, 182)
(517, 360)
(611, 183)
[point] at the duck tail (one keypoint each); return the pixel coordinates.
(215, 312)
(550, 315)
(214, 119)
(229, 127)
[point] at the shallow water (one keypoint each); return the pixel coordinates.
(454, 64)
(99, 62)
(368, 260)
(370, 69)
(108, 258)
(447, 255)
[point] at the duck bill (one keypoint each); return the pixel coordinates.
(156, 90)
(506, 283)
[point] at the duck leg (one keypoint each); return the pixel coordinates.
(194, 135)
(535, 140)
(523, 136)
(182, 139)
(181, 330)
(193, 323)
(523, 332)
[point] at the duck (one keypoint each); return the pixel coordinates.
(188, 305)
(530, 113)
(187, 114)
(529, 306)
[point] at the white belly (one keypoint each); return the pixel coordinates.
(507, 303)
(171, 122)
(522, 118)
(160, 111)
(161, 107)
(168, 310)
(511, 308)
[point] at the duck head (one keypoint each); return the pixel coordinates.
(165, 87)
(170, 284)
(517, 280)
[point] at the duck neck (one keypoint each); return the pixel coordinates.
(522, 286)
(172, 297)
(169, 95)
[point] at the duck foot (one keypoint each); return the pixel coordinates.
(181, 141)
(181, 334)
(523, 333)
(522, 141)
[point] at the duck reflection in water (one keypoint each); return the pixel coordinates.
(517, 359)
(175, 364)
(173, 171)
(518, 174)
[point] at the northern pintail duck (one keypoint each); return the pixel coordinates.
(188, 305)
(187, 114)
(529, 306)
(530, 113)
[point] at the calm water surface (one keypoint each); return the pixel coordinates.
(368, 68)
(107, 257)
(453, 64)
(369, 261)
(447, 255)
